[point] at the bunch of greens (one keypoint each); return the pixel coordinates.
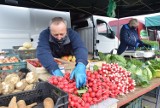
(140, 75)
(113, 58)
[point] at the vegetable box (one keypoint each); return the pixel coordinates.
(35, 66)
(11, 63)
(41, 91)
(25, 54)
(137, 103)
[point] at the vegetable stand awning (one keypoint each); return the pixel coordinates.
(124, 8)
(152, 21)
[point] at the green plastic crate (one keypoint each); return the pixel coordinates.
(137, 103)
(16, 65)
(25, 54)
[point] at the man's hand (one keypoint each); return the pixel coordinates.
(79, 73)
(147, 46)
(57, 72)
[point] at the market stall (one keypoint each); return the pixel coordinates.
(110, 81)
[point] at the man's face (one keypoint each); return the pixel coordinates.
(58, 31)
(135, 25)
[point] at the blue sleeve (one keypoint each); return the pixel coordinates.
(44, 52)
(125, 37)
(79, 49)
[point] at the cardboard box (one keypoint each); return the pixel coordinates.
(68, 66)
(36, 69)
(92, 63)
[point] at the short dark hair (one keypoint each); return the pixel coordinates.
(57, 20)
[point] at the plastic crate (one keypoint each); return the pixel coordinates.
(16, 65)
(15, 48)
(8, 51)
(25, 54)
(41, 91)
(137, 103)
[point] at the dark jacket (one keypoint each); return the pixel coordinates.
(128, 39)
(48, 48)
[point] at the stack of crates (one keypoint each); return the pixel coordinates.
(25, 54)
(16, 66)
(41, 91)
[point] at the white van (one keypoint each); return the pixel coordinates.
(97, 34)
(19, 24)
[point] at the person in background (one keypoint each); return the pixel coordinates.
(57, 41)
(129, 39)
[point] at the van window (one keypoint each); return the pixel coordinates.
(103, 28)
(114, 28)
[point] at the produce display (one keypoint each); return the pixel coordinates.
(109, 81)
(13, 83)
(69, 58)
(141, 71)
(26, 46)
(12, 59)
(35, 63)
(4, 74)
(117, 76)
(47, 103)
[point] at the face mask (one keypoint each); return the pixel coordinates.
(62, 40)
(133, 27)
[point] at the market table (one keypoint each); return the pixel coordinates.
(139, 91)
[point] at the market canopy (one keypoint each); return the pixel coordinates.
(123, 8)
(152, 21)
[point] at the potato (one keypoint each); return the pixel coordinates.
(7, 88)
(15, 91)
(27, 45)
(32, 105)
(1, 88)
(29, 87)
(31, 77)
(21, 104)
(12, 78)
(22, 48)
(21, 85)
(5, 68)
(24, 80)
(14, 59)
(48, 103)
(1, 61)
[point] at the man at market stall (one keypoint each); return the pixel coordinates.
(129, 39)
(57, 41)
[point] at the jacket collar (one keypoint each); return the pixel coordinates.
(126, 26)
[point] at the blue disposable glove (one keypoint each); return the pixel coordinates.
(57, 72)
(79, 73)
